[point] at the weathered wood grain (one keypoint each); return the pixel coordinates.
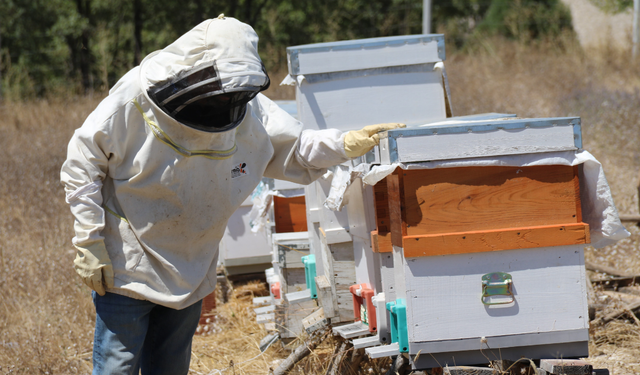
(290, 214)
(496, 240)
(396, 213)
(451, 200)
(381, 243)
(381, 203)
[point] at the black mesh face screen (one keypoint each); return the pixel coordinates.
(197, 99)
(216, 113)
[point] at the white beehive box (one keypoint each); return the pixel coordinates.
(488, 258)
(241, 251)
(348, 85)
(351, 84)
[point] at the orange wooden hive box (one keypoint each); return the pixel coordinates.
(290, 214)
(477, 209)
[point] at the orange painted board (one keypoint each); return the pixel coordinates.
(450, 200)
(396, 207)
(290, 214)
(496, 240)
(381, 204)
(381, 242)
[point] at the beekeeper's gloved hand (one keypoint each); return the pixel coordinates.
(93, 265)
(359, 142)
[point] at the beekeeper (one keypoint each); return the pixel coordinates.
(155, 172)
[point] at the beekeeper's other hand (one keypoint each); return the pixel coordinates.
(93, 265)
(359, 142)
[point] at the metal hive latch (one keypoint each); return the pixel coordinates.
(497, 284)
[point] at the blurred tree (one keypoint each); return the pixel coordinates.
(613, 6)
(31, 52)
(526, 20)
(137, 33)
(75, 46)
(458, 19)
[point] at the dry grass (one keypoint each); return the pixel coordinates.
(46, 317)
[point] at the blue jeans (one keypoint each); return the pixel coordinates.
(133, 335)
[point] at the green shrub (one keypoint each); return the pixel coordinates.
(526, 20)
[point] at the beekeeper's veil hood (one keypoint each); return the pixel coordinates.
(206, 78)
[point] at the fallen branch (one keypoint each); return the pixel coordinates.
(614, 283)
(632, 218)
(301, 352)
(630, 308)
(356, 358)
(337, 359)
(397, 367)
(605, 269)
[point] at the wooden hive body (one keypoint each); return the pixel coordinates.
(449, 227)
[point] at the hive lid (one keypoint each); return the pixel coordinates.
(361, 54)
(471, 139)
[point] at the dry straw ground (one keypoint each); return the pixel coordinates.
(46, 315)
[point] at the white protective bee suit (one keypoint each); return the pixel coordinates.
(158, 193)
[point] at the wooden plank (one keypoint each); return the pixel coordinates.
(451, 200)
(576, 187)
(325, 296)
(381, 239)
(381, 243)
(293, 280)
(290, 214)
(396, 212)
(289, 317)
(381, 204)
(496, 240)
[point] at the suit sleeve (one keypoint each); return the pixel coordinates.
(82, 174)
(299, 156)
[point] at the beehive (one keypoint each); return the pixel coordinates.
(488, 260)
(347, 85)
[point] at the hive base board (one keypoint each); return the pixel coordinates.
(383, 351)
(366, 342)
(564, 350)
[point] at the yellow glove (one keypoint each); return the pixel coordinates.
(359, 142)
(93, 265)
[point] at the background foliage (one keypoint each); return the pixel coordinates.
(64, 47)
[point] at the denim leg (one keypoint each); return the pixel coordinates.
(167, 348)
(121, 328)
